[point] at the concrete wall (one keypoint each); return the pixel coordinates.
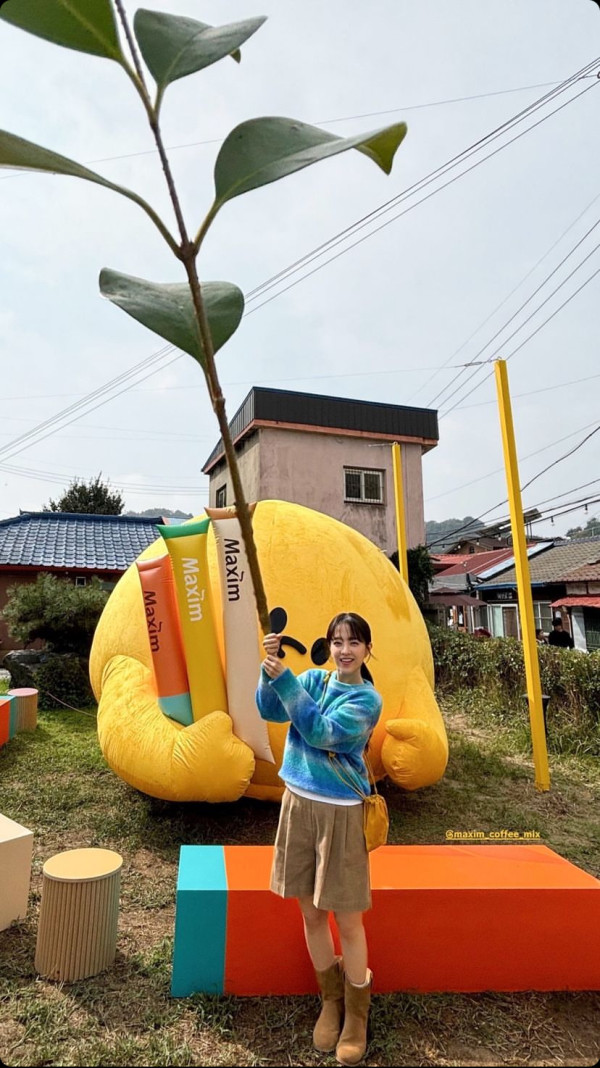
(308, 468)
(249, 464)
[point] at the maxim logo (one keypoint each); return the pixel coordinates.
(234, 577)
(154, 627)
(194, 596)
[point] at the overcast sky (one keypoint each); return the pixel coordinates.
(390, 319)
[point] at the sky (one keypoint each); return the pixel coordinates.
(445, 277)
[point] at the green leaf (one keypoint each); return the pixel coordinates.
(262, 150)
(85, 25)
(173, 47)
(25, 155)
(168, 309)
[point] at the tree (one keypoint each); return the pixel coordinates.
(590, 530)
(198, 318)
(420, 572)
(91, 498)
(53, 609)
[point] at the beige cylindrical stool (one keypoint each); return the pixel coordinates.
(77, 933)
(26, 700)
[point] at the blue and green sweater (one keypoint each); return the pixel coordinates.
(326, 716)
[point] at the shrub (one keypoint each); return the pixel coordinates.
(65, 678)
(493, 673)
(53, 609)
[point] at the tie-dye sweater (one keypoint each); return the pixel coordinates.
(325, 717)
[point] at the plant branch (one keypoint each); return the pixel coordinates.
(218, 403)
(187, 253)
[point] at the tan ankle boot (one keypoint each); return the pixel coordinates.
(352, 1045)
(328, 1026)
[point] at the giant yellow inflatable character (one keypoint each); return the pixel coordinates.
(313, 567)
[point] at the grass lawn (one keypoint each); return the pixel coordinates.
(55, 782)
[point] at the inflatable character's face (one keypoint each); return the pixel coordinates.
(313, 567)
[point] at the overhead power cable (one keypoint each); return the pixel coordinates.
(39, 433)
(498, 470)
(422, 183)
(528, 338)
(524, 304)
(535, 477)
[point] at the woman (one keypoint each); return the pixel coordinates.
(320, 854)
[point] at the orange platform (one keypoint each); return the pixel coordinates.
(444, 918)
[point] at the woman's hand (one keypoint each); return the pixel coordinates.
(273, 667)
(271, 643)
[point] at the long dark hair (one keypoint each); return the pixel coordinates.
(359, 629)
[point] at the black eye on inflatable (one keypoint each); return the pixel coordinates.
(319, 653)
(278, 619)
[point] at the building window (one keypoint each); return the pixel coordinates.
(80, 580)
(363, 486)
(221, 500)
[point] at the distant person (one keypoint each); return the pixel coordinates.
(560, 637)
(540, 637)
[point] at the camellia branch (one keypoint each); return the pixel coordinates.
(187, 253)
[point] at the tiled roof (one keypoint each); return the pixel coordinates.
(475, 563)
(583, 601)
(586, 573)
(69, 540)
(552, 565)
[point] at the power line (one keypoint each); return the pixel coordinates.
(323, 122)
(505, 499)
(497, 470)
(526, 302)
(424, 182)
(531, 392)
(25, 440)
(528, 338)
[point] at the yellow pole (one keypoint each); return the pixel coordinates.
(530, 653)
(400, 518)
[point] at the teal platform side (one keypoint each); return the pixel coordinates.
(200, 922)
(12, 729)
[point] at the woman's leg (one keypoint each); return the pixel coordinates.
(354, 945)
(317, 933)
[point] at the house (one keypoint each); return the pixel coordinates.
(69, 545)
(331, 454)
(550, 566)
(582, 601)
(453, 598)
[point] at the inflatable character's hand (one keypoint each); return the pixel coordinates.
(202, 762)
(415, 751)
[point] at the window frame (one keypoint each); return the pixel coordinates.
(221, 490)
(362, 471)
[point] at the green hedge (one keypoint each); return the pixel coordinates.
(492, 672)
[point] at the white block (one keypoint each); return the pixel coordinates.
(16, 846)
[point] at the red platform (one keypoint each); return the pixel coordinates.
(444, 918)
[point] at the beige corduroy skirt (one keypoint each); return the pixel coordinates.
(320, 853)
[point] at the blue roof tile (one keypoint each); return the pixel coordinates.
(63, 539)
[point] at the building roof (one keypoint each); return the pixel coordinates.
(586, 573)
(584, 600)
(551, 566)
(75, 541)
(288, 409)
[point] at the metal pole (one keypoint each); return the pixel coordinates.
(400, 517)
(530, 652)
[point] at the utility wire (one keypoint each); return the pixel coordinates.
(8, 451)
(497, 470)
(539, 474)
(422, 183)
(541, 285)
(524, 342)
